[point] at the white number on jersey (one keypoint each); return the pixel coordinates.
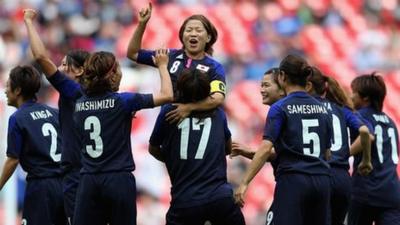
(175, 66)
(49, 130)
(185, 130)
(309, 137)
(379, 143)
(92, 123)
(337, 134)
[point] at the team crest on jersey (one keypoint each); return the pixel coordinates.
(202, 68)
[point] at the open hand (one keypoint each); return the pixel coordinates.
(161, 57)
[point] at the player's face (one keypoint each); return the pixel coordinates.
(70, 71)
(195, 37)
(11, 95)
(270, 90)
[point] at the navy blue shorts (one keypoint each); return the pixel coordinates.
(43, 202)
(223, 211)
(70, 187)
(362, 214)
(106, 198)
(340, 196)
(301, 199)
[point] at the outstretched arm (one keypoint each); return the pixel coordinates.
(136, 41)
(240, 149)
(8, 169)
(261, 156)
(183, 110)
(38, 50)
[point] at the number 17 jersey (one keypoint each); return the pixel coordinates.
(194, 153)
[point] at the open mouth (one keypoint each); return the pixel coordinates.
(193, 43)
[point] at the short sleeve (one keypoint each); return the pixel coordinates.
(145, 57)
(134, 102)
(67, 87)
(218, 80)
(273, 126)
(352, 121)
(14, 138)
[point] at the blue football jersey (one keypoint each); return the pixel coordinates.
(104, 126)
(194, 153)
(71, 155)
(381, 187)
(33, 138)
(342, 118)
(300, 127)
(178, 60)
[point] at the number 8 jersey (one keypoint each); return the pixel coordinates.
(381, 187)
(300, 128)
(178, 60)
(33, 138)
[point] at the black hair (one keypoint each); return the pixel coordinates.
(193, 86)
(296, 69)
(371, 86)
(27, 78)
(274, 72)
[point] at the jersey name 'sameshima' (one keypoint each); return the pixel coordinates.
(95, 105)
(306, 109)
(43, 114)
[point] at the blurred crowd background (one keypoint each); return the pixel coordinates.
(344, 38)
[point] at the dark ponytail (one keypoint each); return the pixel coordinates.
(296, 69)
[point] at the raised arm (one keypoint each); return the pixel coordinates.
(136, 41)
(166, 94)
(8, 169)
(38, 50)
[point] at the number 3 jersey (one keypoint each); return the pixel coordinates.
(381, 187)
(33, 138)
(300, 127)
(194, 153)
(103, 124)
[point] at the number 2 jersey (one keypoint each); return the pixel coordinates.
(33, 138)
(300, 127)
(178, 60)
(381, 187)
(194, 153)
(103, 124)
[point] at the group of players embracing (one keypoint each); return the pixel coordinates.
(79, 159)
